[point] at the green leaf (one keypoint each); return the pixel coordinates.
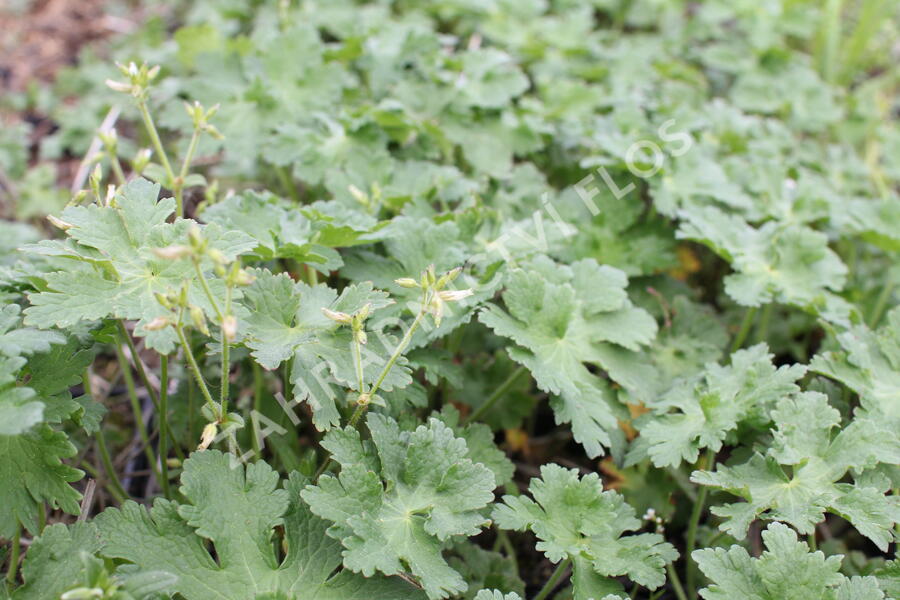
(32, 472)
(115, 272)
(236, 509)
(789, 264)
(20, 341)
(786, 570)
(400, 499)
(796, 480)
(480, 442)
(562, 317)
(575, 518)
(53, 562)
(700, 412)
(869, 365)
(485, 569)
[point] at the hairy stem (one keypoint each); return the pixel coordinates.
(881, 303)
(164, 422)
(136, 410)
(676, 583)
(114, 485)
(407, 337)
(742, 333)
(357, 358)
(14, 556)
(226, 361)
(554, 579)
(198, 376)
(207, 291)
(142, 374)
(257, 405)
(693, 524)
(178, 183)
(150, 126)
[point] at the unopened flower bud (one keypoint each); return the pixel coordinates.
(141, 160)
(454, 295)
(242, 277)
(216, 256)
(340, 317)
(229, 327)
(208, 436)
(59, 223)
(407, 282)
(158, 324)
(196, 237)
(448, 277)
(78, 198)
(199, 319)
(118, 86)
(359, 195)
(360, 335)
(173, 252)
(213, 132)
(163, 300)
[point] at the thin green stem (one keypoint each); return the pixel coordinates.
(811, 540)
(117, 169)
(742, 333)
(114, 485)
(207, 291)
(286, 183)
(142, 374)
(150, 126)
(676, 582)
(164, 422)
(832, 39)
(257, 405)
(178, 183)
(14, 556)
(497, 395)
(136, 409)
(198, 376)
(693, 525)
(407, 337)
(881, 303)
(554, 579)
(42, 517)
(357, 358)
(357, 414)
(138, 365)
(761, 334)
(509, 549)
(226, 361)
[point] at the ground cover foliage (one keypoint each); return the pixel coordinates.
(491, 300)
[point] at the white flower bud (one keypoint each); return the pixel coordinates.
(229, 327)
(118, 86)
(173, 252)
(454, 295)
(208, 436)
(340, 317)
(407, 282)
(158, 324)
(199, 319)
(59, 223)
